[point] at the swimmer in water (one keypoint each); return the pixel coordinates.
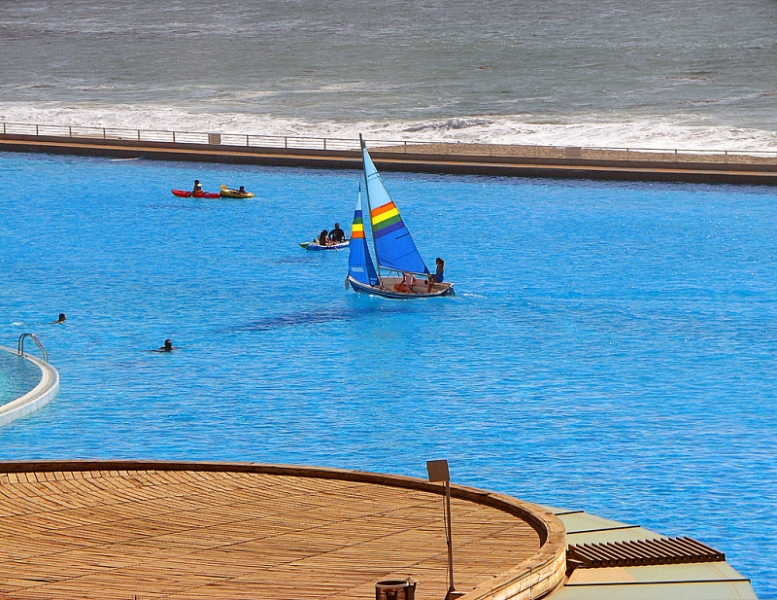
(61, 319)
(168, 347)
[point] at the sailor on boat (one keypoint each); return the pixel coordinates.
(438, 275)
(406, 285)
(397, 260)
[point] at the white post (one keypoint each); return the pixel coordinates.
(438, 471)
(447, 485)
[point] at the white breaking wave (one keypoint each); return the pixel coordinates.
(519, 129)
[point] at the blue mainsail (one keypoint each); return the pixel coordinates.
(394, 247)
(360, 265)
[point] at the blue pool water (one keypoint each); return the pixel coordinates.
(17, 376)
(611, 346)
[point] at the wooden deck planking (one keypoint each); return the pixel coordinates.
(195, 534)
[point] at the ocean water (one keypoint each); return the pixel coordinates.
(611, 346)
(686, 74)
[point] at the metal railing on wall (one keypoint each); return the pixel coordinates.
(352, 144)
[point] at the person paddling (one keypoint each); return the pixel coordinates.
(337, 235)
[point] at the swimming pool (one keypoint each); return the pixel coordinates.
(27, 383)
(17, 376)
(610, 347)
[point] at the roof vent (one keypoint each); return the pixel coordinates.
(659, 551)
(400, 589)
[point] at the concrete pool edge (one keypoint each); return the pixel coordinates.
(530, 579)
(39, 396)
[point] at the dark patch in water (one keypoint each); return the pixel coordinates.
(314, 317)
(311, 317)
(293, 260)
(193, 207)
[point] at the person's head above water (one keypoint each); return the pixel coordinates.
(168, 347)
(61, 318)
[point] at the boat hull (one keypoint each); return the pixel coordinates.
(187, 194)
(386, 289)
(229, 193)
(314, 247)
(237, 195)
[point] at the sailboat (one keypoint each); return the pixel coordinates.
(398, 260)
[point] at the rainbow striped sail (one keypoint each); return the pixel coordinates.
(360, 265)
(394, 247)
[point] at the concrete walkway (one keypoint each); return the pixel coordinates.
(470, 159)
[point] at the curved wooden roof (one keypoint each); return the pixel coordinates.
(195, 530)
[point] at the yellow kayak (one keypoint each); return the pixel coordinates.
(230, 193)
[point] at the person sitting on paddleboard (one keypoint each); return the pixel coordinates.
(337, 235)
(438, 275)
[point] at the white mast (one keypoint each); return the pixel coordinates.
(369, 206)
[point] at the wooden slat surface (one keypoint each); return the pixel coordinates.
(194, 534)
(657, 551)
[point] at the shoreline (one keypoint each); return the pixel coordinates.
(440, 158)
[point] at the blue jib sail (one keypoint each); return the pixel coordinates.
(394, 247)
(360, 265)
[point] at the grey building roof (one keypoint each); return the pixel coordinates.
(692, 581)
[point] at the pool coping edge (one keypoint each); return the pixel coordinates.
(39, 396)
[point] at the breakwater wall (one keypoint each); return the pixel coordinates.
(421, 157)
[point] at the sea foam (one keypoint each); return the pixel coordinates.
(588, 131)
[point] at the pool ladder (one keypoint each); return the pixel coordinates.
(20, 345)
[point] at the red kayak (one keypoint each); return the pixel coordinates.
(188, 194)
